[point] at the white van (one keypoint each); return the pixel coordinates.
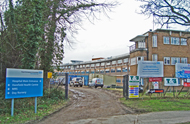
(96, 82)
(77, 81)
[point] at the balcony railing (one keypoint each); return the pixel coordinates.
(133, 47)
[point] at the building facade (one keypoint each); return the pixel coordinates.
(169, 46)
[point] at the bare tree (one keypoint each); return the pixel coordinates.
(166, 12)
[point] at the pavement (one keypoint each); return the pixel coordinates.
(166, 117)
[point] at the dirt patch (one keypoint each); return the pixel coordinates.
(88, 103)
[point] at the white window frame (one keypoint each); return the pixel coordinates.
(97, 64)
(154, 41)
(92, 65)
(183, 41)
(134, 61)
(175, 60)
(175, 40)
(126, 60)
(166, 40)
(107, 63)
(183, 60)
(113, 62)
(154, 57)
(166, 60)
(102, 64)
(141, 44)
(119, 61)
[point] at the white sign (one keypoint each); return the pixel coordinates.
(171, 82)
(156, 85)
(182, 70)
(150, 69)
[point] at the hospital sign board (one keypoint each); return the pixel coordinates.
(21, 83)
(182, 70)
(134, 86)
(150, 69)
(171, 82)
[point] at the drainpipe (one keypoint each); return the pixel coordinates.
(147, 49)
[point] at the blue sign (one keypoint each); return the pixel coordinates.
(182, 70)
(21, 83)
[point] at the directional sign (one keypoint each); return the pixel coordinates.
(156, 91)
(133, 86)
(186, 83)
(171, 82)
(22, 83)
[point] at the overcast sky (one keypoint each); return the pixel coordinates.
(109, 37)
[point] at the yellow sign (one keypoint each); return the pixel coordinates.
(49, 75)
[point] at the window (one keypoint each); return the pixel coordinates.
(97, 64)
(183, 60)
(107, 70)
(133, 61)
(119, 61)
(175, 60)
(108, 63)
(80, 66)
(183, 41)
(118, 80)
(166, 40)
(125, 60)
(154, 41)
(113, 62)
(175, 40)
(118, 69)
(102, 64)
(87, 72)
(141, 44)
(112, 70)
(87, 65)
(92, 65)
(124, 70)
(154, 57)
(83, 66)
(77, 66)
(166, 60)
(101, 71)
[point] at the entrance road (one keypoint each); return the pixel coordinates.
(87, 103)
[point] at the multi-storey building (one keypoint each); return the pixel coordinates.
(169, 46)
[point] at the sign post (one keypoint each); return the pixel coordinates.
(134, 86)
(22, 83)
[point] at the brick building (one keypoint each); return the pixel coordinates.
(169, 46)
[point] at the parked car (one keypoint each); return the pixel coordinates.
(96, 82)
(76, 82)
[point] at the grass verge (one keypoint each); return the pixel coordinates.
(24, 108)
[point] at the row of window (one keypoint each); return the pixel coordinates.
(174, 60)
(101, 64)
(101, 71)
(166, 40)
(167, 60)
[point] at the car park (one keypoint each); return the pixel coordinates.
(96, 82)
(77, 81)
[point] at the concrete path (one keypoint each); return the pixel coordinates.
(168, 117)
